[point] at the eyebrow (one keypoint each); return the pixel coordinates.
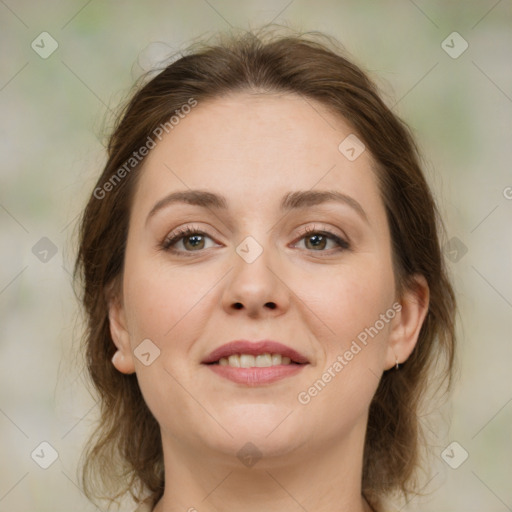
(290, 201)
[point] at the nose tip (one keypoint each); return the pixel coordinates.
(254, 286)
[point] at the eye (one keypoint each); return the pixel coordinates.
(192, 240)
(317, 240)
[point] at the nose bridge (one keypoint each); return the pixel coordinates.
(257, 243)
(254, 260)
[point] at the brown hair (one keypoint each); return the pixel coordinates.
(125, 454)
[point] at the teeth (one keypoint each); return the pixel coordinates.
(249, 361)
(263, 360)
(234, 361)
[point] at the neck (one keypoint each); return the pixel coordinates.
(326, 479)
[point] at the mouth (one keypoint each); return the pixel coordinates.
(254, 363)
(259, 354)
(258, 361)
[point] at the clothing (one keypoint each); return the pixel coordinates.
(144, 507)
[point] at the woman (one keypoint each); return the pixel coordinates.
(264, 287)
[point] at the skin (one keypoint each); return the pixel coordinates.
(253, 149)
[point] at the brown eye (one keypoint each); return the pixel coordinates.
(194, 241)
(191, 240)
(318, 240)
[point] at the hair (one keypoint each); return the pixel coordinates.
(125, 452)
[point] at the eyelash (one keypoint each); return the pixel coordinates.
(179, 234)
(343, 245)
(175, 237)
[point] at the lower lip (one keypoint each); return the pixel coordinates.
(256, 376)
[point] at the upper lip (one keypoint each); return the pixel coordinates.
(254, 348)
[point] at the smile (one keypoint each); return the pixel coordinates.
(250, 361)
(255, 363)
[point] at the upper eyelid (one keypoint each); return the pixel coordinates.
(191, 229)
(314, 228)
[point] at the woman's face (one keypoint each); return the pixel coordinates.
(270, 258)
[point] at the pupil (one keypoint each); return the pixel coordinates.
(196, 240)
(318, 238)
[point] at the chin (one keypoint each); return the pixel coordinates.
(269, 427)
(267, 451)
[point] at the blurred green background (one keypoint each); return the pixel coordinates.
(56, 109)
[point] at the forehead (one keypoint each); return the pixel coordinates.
(256, 147)
(259, 126)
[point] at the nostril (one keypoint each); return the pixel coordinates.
(271, 305)
(238, 305)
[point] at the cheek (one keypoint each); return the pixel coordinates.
(162, 299)
(165, 304)
(354, 346)
(350, 299)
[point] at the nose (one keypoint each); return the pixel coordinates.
(256, 288)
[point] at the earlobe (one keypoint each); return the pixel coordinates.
(408, 321)
(122, 363)
(123, 357)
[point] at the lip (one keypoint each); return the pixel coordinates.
(254, 348)
(255, 376)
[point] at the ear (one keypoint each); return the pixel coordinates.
(123, 358)
(407, 323)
